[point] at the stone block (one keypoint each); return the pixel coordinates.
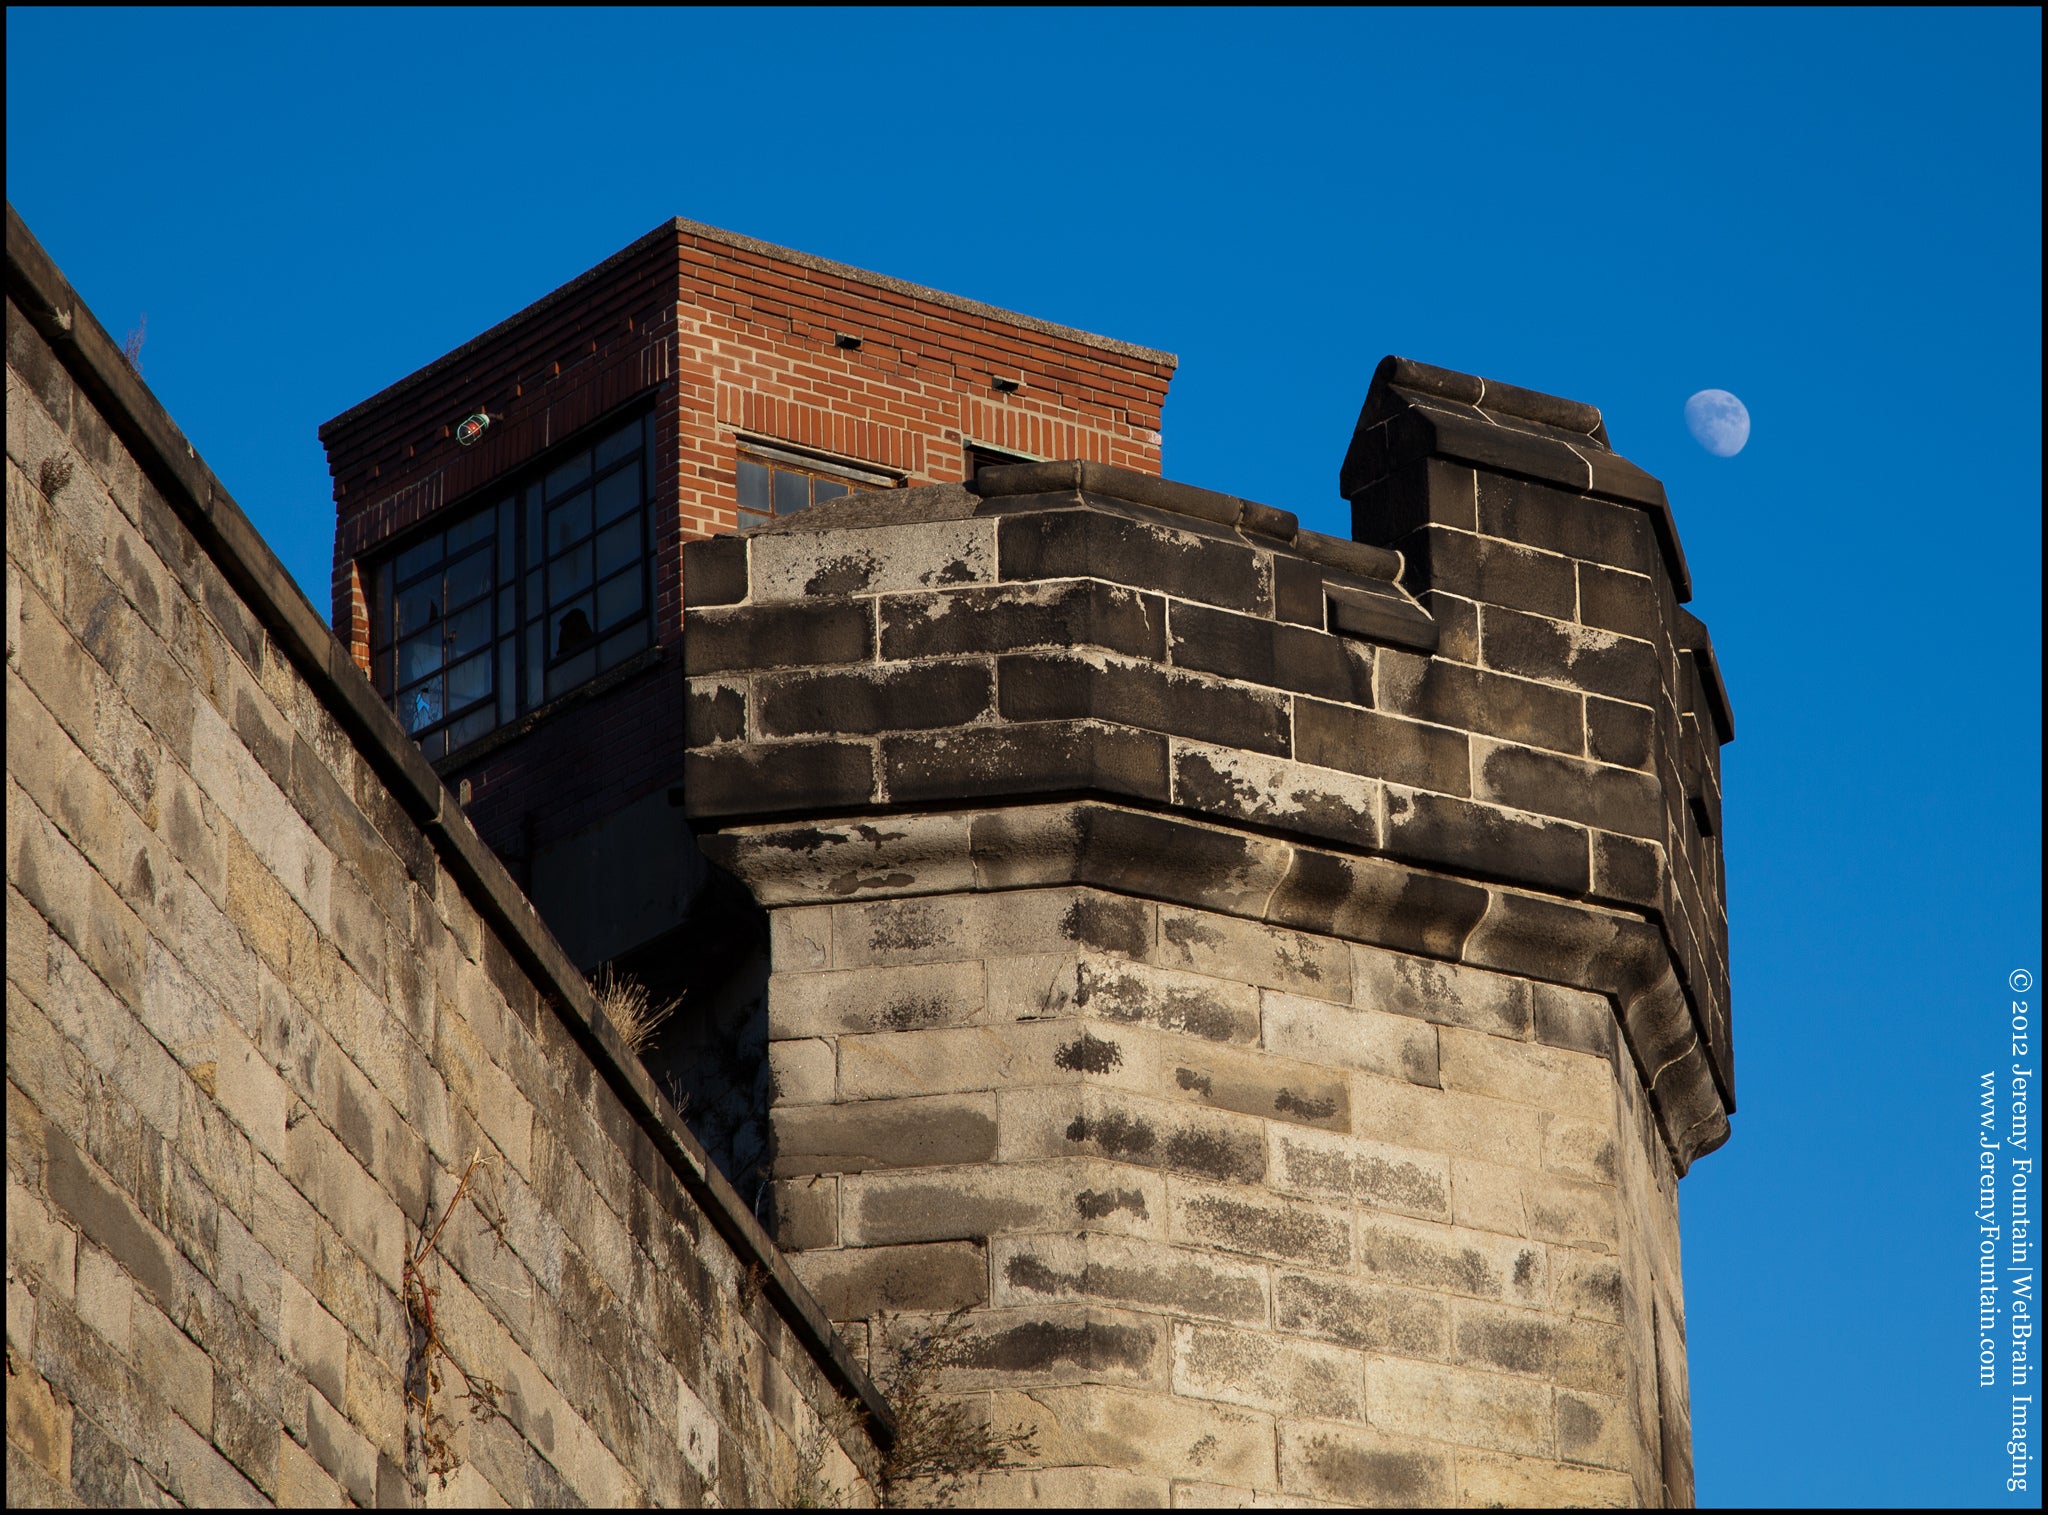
(1125, 1128)
(1444, 831)
(1214, 1009)
(755, 779)
(800, 940)
(1256, 1084)
(1581, 1150)
(1586, 658)
(302, 1483)
(883, 697)
(978, 1203)
(1043, 757)
(1334, 1036)
(105, 1299)
(804, 1072)
(1496, 571)
(341, 1450)
(1270, 791)
(917, 996)
(1585, 1284)
(1117, 1270)
(314, 1342)
(1627, 871)
(807, 565)
(779, 636)
(1475, 1409)
(898, 1133)
(1260, 1224)
(1452, 1260)
(1253, 649)
(174, 1365)
(715, 711)
(1472, 699)
(1448, 994)
(1573, 1019)
(1618, 600)
(39, 1425)
(715, 572)
(1442, 1120)
(1614, 799)
(1528, 1483)
(1596, 1429)
(1053, 1344)
(1618, 536)
(1356, 1466)
(1368, 1174)
(896, 1064)
(857, 1282)
(1618, 733)
(1150, 1434)
(1255, 1369)
(1094, 686)
(1226, 946)
(1579, 1354)
(246, 1433)
(1016, 617)
(1372, 1317)
(1092, 544)
(1550, 1078)
(1381, 746)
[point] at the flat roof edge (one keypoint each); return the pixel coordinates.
(679, 226)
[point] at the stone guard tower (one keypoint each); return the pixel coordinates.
(1271, 985)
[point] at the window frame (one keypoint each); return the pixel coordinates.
(790, 463)
(515, 519)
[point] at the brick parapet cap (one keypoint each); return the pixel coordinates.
(1413, 410)
(683, 231)
(300, 634)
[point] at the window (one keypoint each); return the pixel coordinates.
(519, 601)
(780, 484)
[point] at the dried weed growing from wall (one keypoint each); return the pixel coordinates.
(627, 1004)
(939, 1443)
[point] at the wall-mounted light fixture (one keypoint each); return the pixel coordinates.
(470, 429)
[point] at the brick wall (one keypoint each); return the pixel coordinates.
(267, 996)
(728, 338)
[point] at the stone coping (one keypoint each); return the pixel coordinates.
(678, 227)
(1279, 881)
(1414, 410)
(225, 533)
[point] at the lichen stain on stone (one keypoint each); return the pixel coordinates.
(1525, 1269)
(1114, 925)
(1216, 1156)
(844, 575)
(852, 880)
(1188, 1078)
(914, 1013)
(1039, 1344)
(1090, 1205)
(1089, 1054)
(907, 928)
(1188, 932)
(956, 572)
(1290, 1103)
(1116, 1134)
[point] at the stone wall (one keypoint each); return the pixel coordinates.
(1202, 965)
(267, 998)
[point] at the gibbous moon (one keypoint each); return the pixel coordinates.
(1718, 422)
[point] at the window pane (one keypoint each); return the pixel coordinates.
(533, 542)
(569, 574)
(434, 746)
(470, 532)
(469, 631)
(508, 681)
(380, 671)
(420, 707)
(618, 598)
(618, 494)
(571, 473)
(572, 673)
(535, 605)
(413, 559)
(618, 547)
(536, 661)
(753, 486)
(826, 489)
(749, 519)
(419, 657)
(568, 521)
(470, 727)
(469, 682)
(469, 577)
(792, 492)
(508, 610)
(508, 516)
(616, 649)
(569, 629)
(618, 444)
(419, 606)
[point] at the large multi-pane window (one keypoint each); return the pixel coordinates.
(520, 600)
(780, 486)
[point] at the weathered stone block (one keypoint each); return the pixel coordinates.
(1536, 515)
(1355, 1466)
(1482, 838)
(803, 565)
(971, 1203)
(1288, 1377)
(1094, 1122)
(1255, 650)
(1446, 993)
(1582, 1354)
(1116, 1270)
(1364, 1173)
(1162, 559)
(1566, 1083)
(902, 1133)
(1044, 757)
(856, 1283)
(1528, 1483)
(1565, 652)
(1153, 1434)
(1269, 791)
(1371, 1041)
(1213, 1009)
(1404, 1322)
(913, 997)
(1472, 699)
(1065, 687)
(779, 636)
(1056, 1344)
(1614, 799)
(1260, 1224)
(1476, 1409)
(1016, 617)
(1452, 1260)
(885, 697)
(1381, 747)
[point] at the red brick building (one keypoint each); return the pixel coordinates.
(513, 583)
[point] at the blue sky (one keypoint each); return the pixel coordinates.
(1835, 215)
